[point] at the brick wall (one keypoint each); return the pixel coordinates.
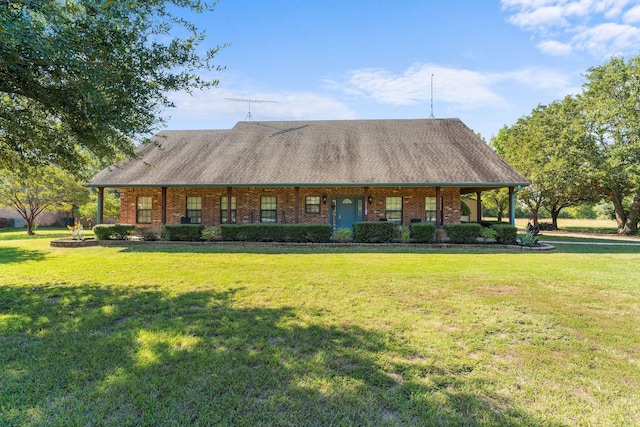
(248, 203)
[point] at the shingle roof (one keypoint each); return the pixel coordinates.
(324, 152)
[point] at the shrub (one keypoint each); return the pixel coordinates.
(183, 232)
(148, 234)
(529, 240)
(488, 234)
(211, 233)
(343, 235)
(113, 231)
(402, 233)
(463, 233)
(506, 234)
(373, 232)
(4, 223)
(297, 233)
(423, 232)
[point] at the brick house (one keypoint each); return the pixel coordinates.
(327, 171)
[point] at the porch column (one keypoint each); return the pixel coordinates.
(366, 202)
(438, 208)
(229, 205)
(164, 205)
(512, 209)
(479, 206)
(99, 214)
(296, 210)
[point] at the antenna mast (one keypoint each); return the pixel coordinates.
(431, 116)
(249, 117)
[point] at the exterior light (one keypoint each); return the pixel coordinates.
(370, 199)
(324, 199)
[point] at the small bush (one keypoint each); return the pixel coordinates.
(148, 234)
(488, 234)
(402, 233)
(463, 233)
(423, 232)
(528, 240)
(373, 232)
(113, 231)
(4, 223)
(211, 233)
(183, 232)
(343, 235)
(506, 234)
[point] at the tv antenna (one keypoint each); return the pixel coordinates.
(249, 117)
(432, 116)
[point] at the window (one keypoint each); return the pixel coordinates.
(224, 204)
(312, 204)
(194, 209)
(430, 209)
(143, 210)
(394, 210)
(268, 208)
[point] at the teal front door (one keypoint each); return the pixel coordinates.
(345, 211)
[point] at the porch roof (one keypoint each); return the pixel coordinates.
(414, 152)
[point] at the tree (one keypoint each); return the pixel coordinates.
(33, 190)
(497, 199)
(92, 76)
(111, 205)
(552, 148)
(611, 99)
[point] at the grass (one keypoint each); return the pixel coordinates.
(172, 335)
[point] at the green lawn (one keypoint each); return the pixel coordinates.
(254, 336)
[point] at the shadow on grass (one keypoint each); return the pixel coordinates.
(12, 254)
(88, 355)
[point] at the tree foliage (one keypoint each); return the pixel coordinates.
(33, 190)
(497, 199)
(111, 205)
(611, 99)
(92, 76)
(552, 148)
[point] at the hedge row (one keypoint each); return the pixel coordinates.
(363, 232)
(113, 231)
(296, 233)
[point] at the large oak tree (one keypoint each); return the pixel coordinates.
(91, 77)
(611, 99)
(552, 148)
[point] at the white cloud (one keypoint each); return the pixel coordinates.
(601, 28)
(608, 40)
(555, 48)
(212, 105)
(632, 16)
(464, 88)
(460, 89)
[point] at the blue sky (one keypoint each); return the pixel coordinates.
(492, 61)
